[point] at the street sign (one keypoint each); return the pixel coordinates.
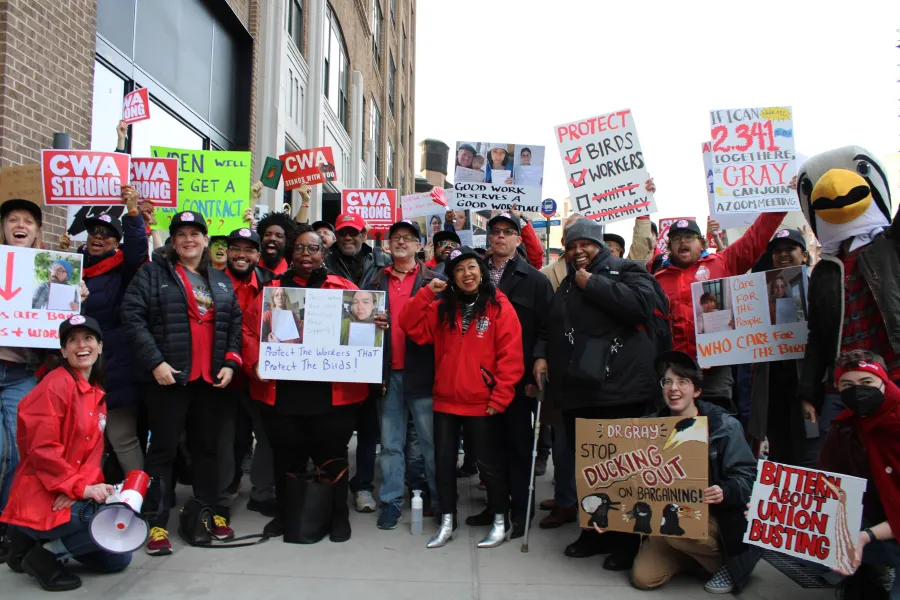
(548, 207)
(542, 224)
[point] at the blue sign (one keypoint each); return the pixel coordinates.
(548, 207)
(540, 224)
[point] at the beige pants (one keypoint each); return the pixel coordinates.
(661, 558)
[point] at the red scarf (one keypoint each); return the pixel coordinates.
(105, 265)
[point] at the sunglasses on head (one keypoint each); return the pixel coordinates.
(103, 232)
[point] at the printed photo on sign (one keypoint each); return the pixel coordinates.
(358, 321)
(808, 514)
(753, 160)
(643, 476)
(760, 317)
(431, 225)
(605, 167)
(282, 320)
(57, 282)
(497, 175)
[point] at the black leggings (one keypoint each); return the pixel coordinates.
(488, 435)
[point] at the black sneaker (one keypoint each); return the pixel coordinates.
(482, 519)
(274, 528)
(540, 466)
(589, 543)
(265, 508)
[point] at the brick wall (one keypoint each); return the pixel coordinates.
(242, 8)
(46, 82)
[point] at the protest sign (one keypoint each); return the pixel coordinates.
(336, 336)
(22, 182)
(498, 175)
(271, 172)
(214, 183)
(378, 208)
(739, 320)
(420, 205)
(664, 226)
(136, 106)
(83, 176)
(76, 215)
(605, 166)
(753, 160)
(156, 180)
(643, 475)
(310, 167)
(807, 514)
(39, 289)
(726, 220)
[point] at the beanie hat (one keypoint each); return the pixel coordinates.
(65, 265)
(585, 229)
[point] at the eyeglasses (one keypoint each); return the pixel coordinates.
(683, 237)
(681, 383)
(242, 249)
(309, 248)
(506, 232)
(404, 238)
(445, 243)
(103, 232)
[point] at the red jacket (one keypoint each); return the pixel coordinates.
(60, 439)
(737, 259)
(490, 349)
(264, 391)
(533, 248)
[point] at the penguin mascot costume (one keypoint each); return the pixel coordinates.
(854, 290)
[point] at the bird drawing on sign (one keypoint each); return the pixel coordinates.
(692, 429)
(598, 506)
(672, 513)
(845, 550)
(641, 512)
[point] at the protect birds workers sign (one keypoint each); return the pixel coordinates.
(136, 106)
(378, 208)
(310, 167)
(643, 476)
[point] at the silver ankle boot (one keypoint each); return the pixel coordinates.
(498, 533)
(445, 532)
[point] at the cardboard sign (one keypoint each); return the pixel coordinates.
(22, 182)
(136, 106)
(212, 182)
(739, 320)
(271, 173)
(498, 175)
(420, 205)
(664, 226)
(605, 167)
(76, 215)
(309, 167)
(753, 160)
(378, 208)
(726, 220)
(156, 180)
(643, 476)
(337, 339)
(83, 176)
(807, 514)
(36, 295)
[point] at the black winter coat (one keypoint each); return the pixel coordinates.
(530, 293)
(155, 314)
(603, 320)
(360, 269)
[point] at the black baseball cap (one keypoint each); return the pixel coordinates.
(461, 254)
(320, 224)
(612, 237)
(505, 216)
(22, 204)
(678, 358)
(405, 223)
(685, 225)
(442, 235)
(468, 147)
(788, 235)
(78, 322)
(107, 221)
(244, 234)
(188, 217)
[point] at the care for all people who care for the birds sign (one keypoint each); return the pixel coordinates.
(498, 176)
(321, 335)
(753, 318)
(807, 514)
(377, 207)
(643, 476)
(753, 160)
(83, 176)
(605, 167)
(38, 290)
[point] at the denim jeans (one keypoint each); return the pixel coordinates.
(416, 479)
(73, 539)
(15, 382)
(564, 492)
(392, 412)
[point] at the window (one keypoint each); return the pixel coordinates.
(391, 82)
(389, 176)
(402, 119)
(109, 92)
(403, 48)
(377, 18)
(402, 182)
(295, 22)
(394, 12)
(376, 136)
(163, 129)
(336, 84)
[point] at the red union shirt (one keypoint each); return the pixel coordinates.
(399, 293)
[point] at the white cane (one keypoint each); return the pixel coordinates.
(537, 434)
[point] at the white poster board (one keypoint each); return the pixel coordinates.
(605, 168)
(35, 295)
(337, 341)
(753, 160)
(736, 319)
(799, 512)
(727, 220)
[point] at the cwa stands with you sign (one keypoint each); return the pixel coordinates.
(308, 167)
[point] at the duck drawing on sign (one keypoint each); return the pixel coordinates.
(598, 506)
(642, 513)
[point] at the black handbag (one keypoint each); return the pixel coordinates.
(309, 504)
(195, 522)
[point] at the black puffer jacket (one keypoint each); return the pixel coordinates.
(155, 316)
(603, 320)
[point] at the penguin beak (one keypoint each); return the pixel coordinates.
(840, 196)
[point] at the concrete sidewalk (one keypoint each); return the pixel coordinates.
(394, 565)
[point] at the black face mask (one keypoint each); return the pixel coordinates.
(862, 399)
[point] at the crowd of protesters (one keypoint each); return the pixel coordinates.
(471, 336)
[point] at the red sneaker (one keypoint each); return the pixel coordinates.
(159, 544)
(220, 529)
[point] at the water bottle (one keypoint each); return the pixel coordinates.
(416, 524)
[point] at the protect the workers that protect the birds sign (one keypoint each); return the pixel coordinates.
(643, 476)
